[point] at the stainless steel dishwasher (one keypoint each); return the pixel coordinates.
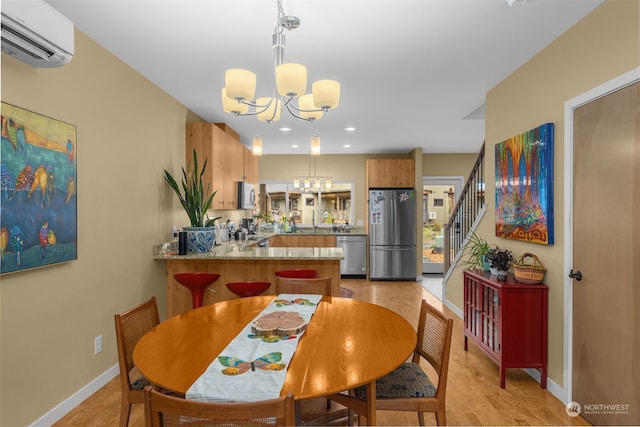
(355, 255)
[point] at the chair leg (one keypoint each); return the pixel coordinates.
(441, 417)
(125, 411)
(421, 418)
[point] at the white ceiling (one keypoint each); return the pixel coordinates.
(410, 71)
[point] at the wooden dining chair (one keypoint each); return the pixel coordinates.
(298, 285)
(162, 410)
(130, 327)
(408, 388)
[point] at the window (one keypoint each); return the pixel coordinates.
(306, 207)
(438, 202)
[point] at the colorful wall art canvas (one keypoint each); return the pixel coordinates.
(38, 204)
(524, 186)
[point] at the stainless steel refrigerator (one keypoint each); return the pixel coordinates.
(392, 234)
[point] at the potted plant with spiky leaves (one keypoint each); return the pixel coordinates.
(476, 249)
(195, 201)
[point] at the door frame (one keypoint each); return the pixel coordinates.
(604, 89)
(455, 180)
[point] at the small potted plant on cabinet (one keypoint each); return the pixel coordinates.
(195, 201)
(499, 262)
(476, 251)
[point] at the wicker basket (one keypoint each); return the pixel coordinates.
(529, 272)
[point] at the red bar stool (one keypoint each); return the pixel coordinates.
(196, 283)
(299, 273)
(248, 289)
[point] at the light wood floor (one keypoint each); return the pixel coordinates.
(474, 396)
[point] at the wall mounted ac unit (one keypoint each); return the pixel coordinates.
(432, 215)
(36, 33)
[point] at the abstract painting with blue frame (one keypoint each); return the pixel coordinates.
(38, 199)
(524, 186)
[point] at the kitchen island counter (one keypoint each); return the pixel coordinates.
(241, 263)
(233, 251)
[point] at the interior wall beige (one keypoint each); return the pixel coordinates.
(602, 46)
(128, 131)
(458, 164)
(351, 167)
(343, 167)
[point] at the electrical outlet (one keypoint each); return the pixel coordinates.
(97, 344)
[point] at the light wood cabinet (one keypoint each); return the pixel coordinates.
(303, 241)
(251, 167)
(226, 162)
(390, 173)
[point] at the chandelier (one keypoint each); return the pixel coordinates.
(238, 94)
(312, 182)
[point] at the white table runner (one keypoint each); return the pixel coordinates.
(253, 368)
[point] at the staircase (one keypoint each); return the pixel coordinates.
(466, 214)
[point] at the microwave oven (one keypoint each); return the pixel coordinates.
(246, 195)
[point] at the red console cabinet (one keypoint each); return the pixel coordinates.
(507, 320)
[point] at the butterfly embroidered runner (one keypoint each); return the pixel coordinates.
(254, 364)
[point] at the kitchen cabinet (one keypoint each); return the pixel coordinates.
(226, 156)
(507, 320)
(303, 241)
(390, 173)
(251, 167)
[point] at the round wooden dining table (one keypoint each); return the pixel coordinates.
(348, 343)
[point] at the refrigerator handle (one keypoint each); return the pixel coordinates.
(393, 249)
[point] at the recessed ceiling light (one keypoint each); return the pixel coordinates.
(295, 146)
(285, 129)
(350, 129)
(347, 145)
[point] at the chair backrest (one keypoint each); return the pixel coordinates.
(130, 327)
(162, 410)
(291, 285)
(299, 273)
(434, 342)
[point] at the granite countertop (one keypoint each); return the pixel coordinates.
(326, 230)
(236, 250)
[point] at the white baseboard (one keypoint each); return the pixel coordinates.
(552, 387)
(453, 308)
(75, 399)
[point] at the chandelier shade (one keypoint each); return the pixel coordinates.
(240, 84)
(291, 79)
(326, 94)
(268, 109)
(232, 106)
(308, 109)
